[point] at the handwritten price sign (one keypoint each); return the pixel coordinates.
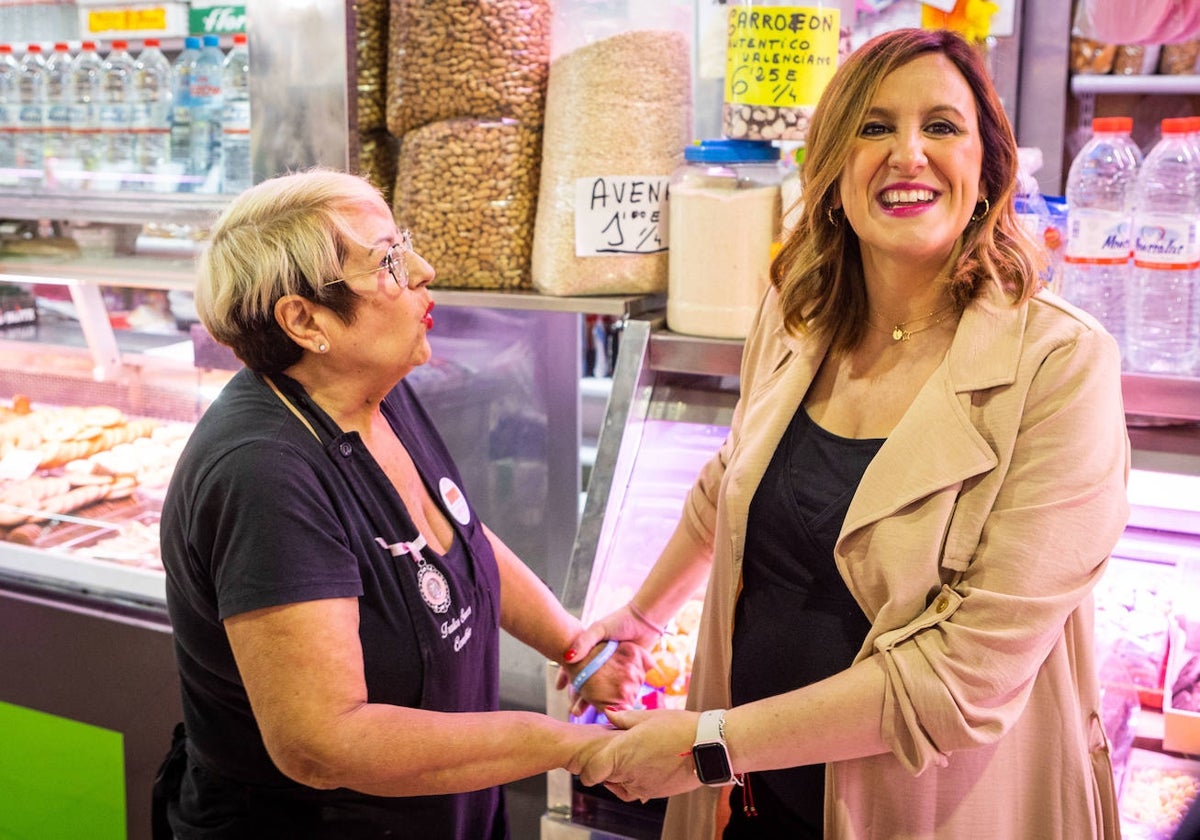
(620, 215)
(780, 56)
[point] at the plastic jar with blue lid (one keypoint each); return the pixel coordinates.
(723, 221)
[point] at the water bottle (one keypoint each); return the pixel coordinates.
(31, 82)
(152, 118)
(206, 114)
(116, 114)
(181, 112)
(10, 107)
(57, 150)
(235, 121)
(1163, 308)
(1100, 194)
(85, 81)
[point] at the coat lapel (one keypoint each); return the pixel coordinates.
(936, 444)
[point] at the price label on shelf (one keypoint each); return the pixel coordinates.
(150, 20)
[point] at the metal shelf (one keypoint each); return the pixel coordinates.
(1095, 84)
(680, 353)
(1165, 397)
(198, 209)
(1171, 398)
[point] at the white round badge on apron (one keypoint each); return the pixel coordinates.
(455, 501)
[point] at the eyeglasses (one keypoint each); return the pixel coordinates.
(397, 266)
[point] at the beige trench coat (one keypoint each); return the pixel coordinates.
(972, 544)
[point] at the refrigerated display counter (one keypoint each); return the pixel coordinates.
(671, 405)
(88, 666)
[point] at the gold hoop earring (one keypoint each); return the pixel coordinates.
(987, 207)
(832, 219)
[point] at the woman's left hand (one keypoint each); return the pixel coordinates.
(617, 683)
(652, 759)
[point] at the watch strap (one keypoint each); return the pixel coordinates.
(710, 727)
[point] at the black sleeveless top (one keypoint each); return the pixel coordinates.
(796, 622)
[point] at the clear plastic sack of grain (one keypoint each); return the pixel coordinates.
(618, 116)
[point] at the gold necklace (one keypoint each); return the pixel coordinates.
(898, 331)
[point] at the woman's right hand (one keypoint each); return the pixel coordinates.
(622, 624)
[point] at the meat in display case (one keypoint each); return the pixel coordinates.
(671, 405)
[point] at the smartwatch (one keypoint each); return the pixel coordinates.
(709, 753)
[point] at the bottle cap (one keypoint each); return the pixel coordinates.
(151, 42)
(89, 46)
(5, 48)
(239, 38)
(731, 151)
(34, 48)
(1176, 125)
(1112, 125)
(120, 45)
(191, 42)
(212, 40)
(61, 46)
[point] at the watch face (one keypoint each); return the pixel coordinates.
(712, 764)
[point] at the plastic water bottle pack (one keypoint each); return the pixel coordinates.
(10, 107)
(116, 117)
(1096, 270)
(31, 119)
(86, 93)
(206, 107)
(1163, 307)
(151, 119)
(181, 113)
(235, 120)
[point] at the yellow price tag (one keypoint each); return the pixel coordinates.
(781, 56)
(127, 20)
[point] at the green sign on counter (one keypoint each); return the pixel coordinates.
(222, 19)
(61, 778)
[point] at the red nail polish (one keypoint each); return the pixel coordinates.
(570, 655)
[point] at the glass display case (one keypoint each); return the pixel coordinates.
(671, 405)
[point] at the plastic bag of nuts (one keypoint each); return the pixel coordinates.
(371, 17)
(467, 188)
(376, 154)
(619, 106)
(466, 58)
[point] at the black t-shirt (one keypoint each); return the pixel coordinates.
(260, 513)
(796, 622)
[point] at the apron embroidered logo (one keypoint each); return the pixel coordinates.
(432, 584)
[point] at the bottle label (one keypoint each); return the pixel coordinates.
(1167, 241)
(1098, 237)
(58, 115)
(236, 117)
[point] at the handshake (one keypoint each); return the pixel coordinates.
(644, 754)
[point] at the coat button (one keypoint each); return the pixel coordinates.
(941, 604)
(346, 449)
